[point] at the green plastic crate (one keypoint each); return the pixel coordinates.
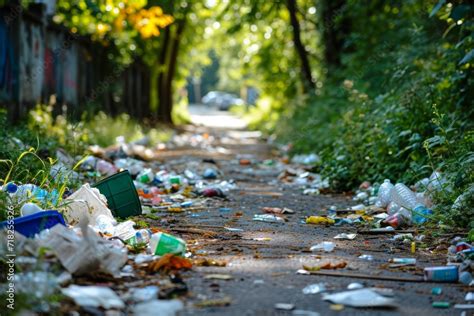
(121, 194)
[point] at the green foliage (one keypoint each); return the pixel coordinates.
(400, 106)
(99, 129)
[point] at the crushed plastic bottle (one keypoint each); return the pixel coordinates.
(384, 197)
(161, 243)
(406, 198)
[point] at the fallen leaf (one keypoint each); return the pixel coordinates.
(207, 262)
(327, 266)
(226, 301)
(170, 262)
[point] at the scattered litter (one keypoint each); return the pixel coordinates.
(277, 210)
(436, 291)
(403, 261)
(441, 304)
(360, 298)
(207, 262)
(158, 308)
(326, 246)
(441, 274)
(301, 312)
(226, 301)
(464, 306)
(83, 255)
(170, 262)
(327, 266)
(268, 218)
(345, 236)
(232, 229)
(366, 257)
(147, 293)
(219, 277)
(336, 307)
(94, 296)
(320, 220)
(355, 286)
(284, 306)
(314, 288)
(469, 296)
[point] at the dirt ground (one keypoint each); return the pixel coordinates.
(262, 273)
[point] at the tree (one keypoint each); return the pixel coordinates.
(307, 77)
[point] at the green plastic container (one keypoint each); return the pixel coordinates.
(121, 194)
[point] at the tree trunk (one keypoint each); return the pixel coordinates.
(308, 82)
(173, 58)
(162, 103)
(334, 29)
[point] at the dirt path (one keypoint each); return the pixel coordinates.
(262, 258)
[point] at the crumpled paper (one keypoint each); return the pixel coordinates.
(84, 254)
(86, 203)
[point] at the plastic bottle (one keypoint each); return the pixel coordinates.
(393, 208)
(146, 176)
(406, 198)
(143, 236)
(383, 195)
(161, 243)
(30, 208)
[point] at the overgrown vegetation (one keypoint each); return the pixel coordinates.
(393, 96)
(29, 150)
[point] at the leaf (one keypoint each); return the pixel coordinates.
(170, 262)
(437, 7)
(467, 57)
(460, 11)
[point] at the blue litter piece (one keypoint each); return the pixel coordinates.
(33, 224)
(187, 204)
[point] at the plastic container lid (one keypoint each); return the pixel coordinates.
(33, 224)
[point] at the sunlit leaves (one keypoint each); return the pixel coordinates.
(118, 21)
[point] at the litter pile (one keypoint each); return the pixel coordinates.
(94, 231)
(78, 242)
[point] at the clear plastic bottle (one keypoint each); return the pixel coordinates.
(29, 209)
(393, 208)
(403, 196)
(142, 236)
(383, 195)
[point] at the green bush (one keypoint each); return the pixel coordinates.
(399, 108)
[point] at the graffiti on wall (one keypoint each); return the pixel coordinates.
(8, 79)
